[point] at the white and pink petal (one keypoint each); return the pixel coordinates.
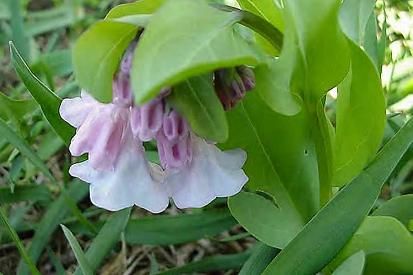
(212, 173)
(132, 182)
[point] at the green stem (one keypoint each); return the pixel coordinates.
(256, 23)
(324, 148)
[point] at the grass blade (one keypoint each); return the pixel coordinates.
(56, 263)
(24, 148)
(49, 102)
(25, 193)
(166, 230)
(108, 236)
(77, 250)
(19, 245)
(55, 214)
(214, 263)
(259, 259)
(325, 235)
(19, 35)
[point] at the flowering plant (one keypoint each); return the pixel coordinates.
(236, 103)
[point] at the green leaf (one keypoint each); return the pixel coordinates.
(261, 256)
(188, 51)
(18, 243)
(214, 263)
(54, 215)
(77, 250)
(167, 230)
(24, 193)
(58, 266)
(59, 62)
(196, 100)
(335, 224)
(263, 219)
(281, 162)
(271, 12)
(24, 148)
(398, 207)
(358, 22)
(108, 236)
(267, 9)
(275, 90)
(360, 118)
(388, 246)
(15, 110)
(308, 65)
(138, 7)
(97, 54)
(48, 101)
(71, 204)
(353, 265)
(360, 102)
(354, 17)
(52, 19)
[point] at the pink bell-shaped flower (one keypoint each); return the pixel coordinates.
(193, 172)
(99, 129)
(117, 170)
(197, 172)
(134, 181)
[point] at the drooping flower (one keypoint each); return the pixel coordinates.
(193, 171)
(197, 172)
(117, 170)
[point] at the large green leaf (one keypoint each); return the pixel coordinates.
(97, 54)
(360, 117)
(308, 65)
(360, 103)
(308, 68)
(196, 100)
(262, 218)
(281, 162)
(49, 102)
(358, 21)
(353, 265)
(275, 88)
(192, 38)
(137, 7)
(325, 235)
(108, 236)
(354, 16)
(400, 208)
(388, 246)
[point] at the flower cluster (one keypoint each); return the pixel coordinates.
(192, 170)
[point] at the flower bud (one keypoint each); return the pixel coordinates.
(232, 84)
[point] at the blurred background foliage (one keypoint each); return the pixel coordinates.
(207, 240)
